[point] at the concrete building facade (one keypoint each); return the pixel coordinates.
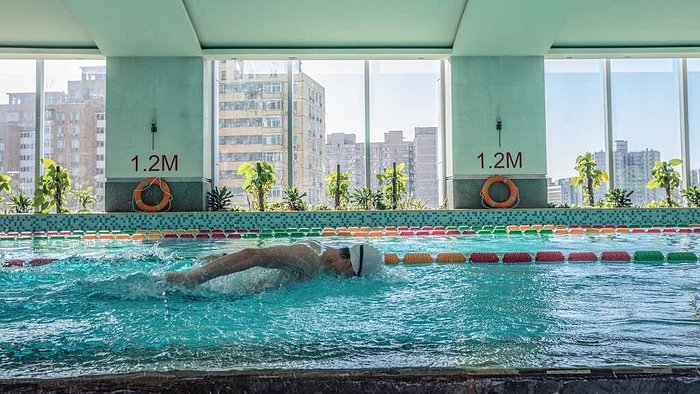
(419, 156)
(253, 126)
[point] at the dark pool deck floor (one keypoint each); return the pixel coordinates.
(399, 380)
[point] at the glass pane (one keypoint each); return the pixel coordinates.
(17, 125)
(646, 122)
(694, 119)
(575, 107)
(404, 118)
(252, 122)
(333, 125)
(74, 128)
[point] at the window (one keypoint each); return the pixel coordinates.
(272, 87)
(247, 113)
(17, 124)
(693, 68)
(75, 93)
(575, 109)
(333, 91)
(646, 122)
(404, 118)
(273, 122)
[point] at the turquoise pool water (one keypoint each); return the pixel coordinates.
(104, 308)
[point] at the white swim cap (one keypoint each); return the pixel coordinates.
(365, 259)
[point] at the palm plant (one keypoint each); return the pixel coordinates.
(362, 198)
(52, 187)
(618, 198)
(590, 174)
(692, 195)
(293, 201)
(392, 183)
(21, 203)
(85, 197)
(663, 176)
(338, 187)
(219, 199)
(259, 178)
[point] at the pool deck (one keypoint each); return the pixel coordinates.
(397, 380)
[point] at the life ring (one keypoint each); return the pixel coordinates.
(486, 196)
(145, 184)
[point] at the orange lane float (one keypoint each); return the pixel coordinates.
(450, 258)
(486, 194)
(417, 258)
(145, 184)
(391, 258)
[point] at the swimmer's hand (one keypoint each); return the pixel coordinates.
(180, 278)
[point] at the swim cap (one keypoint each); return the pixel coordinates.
(365, 259)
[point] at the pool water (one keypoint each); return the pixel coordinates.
(105, 308)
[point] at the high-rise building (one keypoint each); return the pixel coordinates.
(253, 106)
(74, 131)
(563, 192)
(426, 186)
(419, 158)
(632, 171)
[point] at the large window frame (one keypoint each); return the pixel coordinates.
(40, 105)
(442, 170)
(683, 130)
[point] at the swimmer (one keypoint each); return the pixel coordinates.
(306, 260)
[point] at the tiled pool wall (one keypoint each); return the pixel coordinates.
(677, 217)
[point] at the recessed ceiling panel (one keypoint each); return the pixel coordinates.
(40, 24)
(325, 23)
(630, 23)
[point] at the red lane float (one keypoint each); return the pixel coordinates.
(549, 257)
(40, 261)
(582, 256)
(14, 263)
(483, 257)
(615, 256)
(517, 257)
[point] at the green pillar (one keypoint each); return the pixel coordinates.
(484, 91)
(174, 93)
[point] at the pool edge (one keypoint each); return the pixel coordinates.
(571, 380)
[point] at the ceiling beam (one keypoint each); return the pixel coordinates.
(138, 27)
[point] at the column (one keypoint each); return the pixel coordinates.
(484, 91)
(158, 125)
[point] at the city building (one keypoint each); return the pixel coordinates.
(419, 157)
(632, 172)
(563, 192)
(74, 133)
(253, 126)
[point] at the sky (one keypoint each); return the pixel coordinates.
(403, 95)
(20, 75)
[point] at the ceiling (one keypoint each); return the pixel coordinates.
(348, 27)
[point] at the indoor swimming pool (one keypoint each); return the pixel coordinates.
(103, 307)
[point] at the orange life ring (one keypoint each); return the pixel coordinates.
(486, 196)
(145, 184)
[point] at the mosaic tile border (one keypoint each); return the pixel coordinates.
(675, 217)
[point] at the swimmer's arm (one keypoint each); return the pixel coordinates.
(279, 257)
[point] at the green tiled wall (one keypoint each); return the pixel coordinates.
(225, 220)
